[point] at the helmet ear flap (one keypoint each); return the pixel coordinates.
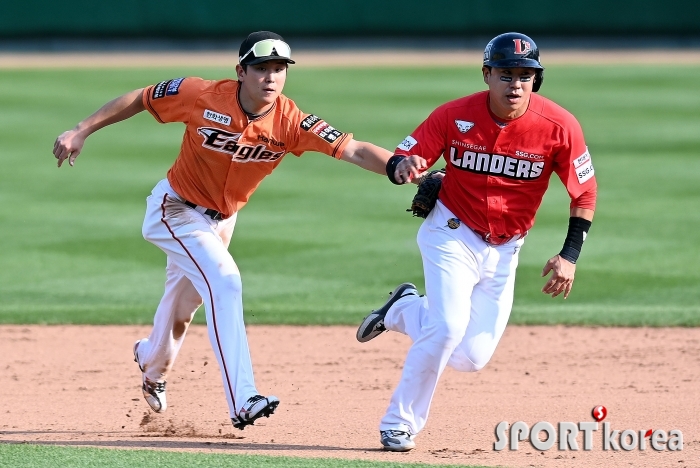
(539, 78)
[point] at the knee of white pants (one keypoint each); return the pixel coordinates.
(464, 364)
(445, 334)
(473, 362)
(229, 286)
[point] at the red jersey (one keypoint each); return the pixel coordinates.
(224, 156)
(497, 175)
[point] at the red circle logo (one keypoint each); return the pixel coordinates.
(599, 413)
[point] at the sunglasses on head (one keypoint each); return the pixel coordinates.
(265, 47)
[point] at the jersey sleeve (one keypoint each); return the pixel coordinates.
(172, 100)
(315, 134)
(428, 140)
(574, 166)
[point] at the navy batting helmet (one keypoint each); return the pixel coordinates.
(514, 50)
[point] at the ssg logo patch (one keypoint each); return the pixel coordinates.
(583, 167)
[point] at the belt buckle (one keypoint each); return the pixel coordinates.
(213, 214)
(497, 240)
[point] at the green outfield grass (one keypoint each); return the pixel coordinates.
(322, 242)
(38, 456)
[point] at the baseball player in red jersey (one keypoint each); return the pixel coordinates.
(501, 147)
(237, 132)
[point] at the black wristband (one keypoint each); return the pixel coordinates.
(391, 167)
(578, 230)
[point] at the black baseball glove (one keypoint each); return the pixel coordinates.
(428, 190)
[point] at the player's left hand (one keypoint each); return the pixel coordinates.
(68, 146)
(562, 279)
(411, 168)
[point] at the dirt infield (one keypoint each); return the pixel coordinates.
(355, 58)
(78, 385)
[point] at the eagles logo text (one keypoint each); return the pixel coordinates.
(225, 142)
(496, 164)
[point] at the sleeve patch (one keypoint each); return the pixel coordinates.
(320, 128)
(583, 159)
(583, 167)
(327, 132)
(174, 86)
(309, 122)
(585, 171)
(408, 143)
(167, 88)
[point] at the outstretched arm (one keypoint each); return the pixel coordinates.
(373, 158)
(69, 144)
(563, 270)
(367, 156)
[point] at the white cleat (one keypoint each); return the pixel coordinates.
(397, 441)
(256, 407)
(153, 392)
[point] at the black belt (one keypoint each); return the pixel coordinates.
(213, 214)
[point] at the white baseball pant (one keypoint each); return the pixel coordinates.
(199, 269)
(469, 294)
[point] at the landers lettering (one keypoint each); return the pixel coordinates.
(567, 433)
(496, 164)
(224, 142)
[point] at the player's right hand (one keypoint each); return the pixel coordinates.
(410, 168)
(68, 146)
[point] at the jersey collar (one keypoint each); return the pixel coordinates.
(252, 118)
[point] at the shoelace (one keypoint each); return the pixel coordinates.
(394, 433)
(251, 401)
(156, 386)
(255, 399)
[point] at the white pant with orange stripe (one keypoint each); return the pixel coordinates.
(459, 322)
(199, 269)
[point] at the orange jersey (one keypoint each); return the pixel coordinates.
(224, 156)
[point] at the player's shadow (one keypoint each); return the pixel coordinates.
(188, 444)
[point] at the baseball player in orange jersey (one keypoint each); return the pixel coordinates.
(501, 147)
(237, 132)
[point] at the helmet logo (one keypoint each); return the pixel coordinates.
(522, 47)
(487, 51)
